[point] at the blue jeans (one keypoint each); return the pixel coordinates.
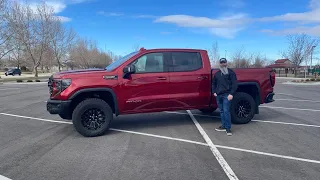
(224, 106)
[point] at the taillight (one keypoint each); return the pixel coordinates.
(272, 78)
(59, 85)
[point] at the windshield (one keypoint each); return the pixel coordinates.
(118, 62)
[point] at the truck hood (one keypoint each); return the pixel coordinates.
(78, 71)
(75, 72)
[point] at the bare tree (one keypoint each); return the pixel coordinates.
(214, 54)
(62, 40)
(259, 61)
(85, 54)
(299, 48)
(5, 34)
(136, 47)
(241, 59)
(32, 30)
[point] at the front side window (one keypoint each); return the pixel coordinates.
(150, 63)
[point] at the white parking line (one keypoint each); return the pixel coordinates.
(262, 121)
(7, 89)
(294, 124)
(285, 94)
(4, 178)
(38, 119)
(158, 136)
(177, 139)
(223, 163)
(298, 109)
(297, 100)
(269, 154)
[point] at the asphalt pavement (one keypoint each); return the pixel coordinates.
(282, 142)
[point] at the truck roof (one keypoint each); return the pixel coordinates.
(171, 49)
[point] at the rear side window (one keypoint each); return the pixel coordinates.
(186, 61)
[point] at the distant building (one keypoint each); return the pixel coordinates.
(283, 66)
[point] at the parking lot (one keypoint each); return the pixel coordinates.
(282, 142)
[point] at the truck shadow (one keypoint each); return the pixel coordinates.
(155, 120)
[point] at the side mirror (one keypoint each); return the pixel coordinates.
(128, 70)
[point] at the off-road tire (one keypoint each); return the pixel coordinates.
(244, 100)
(91, 104)
(208, 110)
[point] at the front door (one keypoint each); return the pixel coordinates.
(147, 90)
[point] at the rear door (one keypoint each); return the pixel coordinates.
(189, 82)
(148, 88)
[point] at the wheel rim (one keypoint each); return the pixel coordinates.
(243, 109)
(93, 119)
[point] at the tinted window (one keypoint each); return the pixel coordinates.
(152, 62)
(186, 61)
(120, 61)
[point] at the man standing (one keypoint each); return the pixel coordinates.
(224, 87)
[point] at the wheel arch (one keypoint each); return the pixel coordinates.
(104, 93)
(253, 89)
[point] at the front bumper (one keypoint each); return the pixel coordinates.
(58, 107)
(269, 98)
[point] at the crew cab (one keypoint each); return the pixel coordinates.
(153, 80)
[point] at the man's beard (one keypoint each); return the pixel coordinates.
(224, 70)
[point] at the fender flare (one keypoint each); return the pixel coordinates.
(114, 97)
(258, 98)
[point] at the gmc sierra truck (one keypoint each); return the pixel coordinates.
(153, 80)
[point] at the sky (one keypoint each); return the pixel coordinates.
(256, 26)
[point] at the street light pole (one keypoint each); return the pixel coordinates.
(311, 55)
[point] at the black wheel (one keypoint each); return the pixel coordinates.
(208, 110)
(92, 117)
(242, 108)
(66, 116)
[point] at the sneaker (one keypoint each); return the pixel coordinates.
(229, 132)
(220, 129)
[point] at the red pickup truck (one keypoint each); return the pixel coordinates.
(153, 80)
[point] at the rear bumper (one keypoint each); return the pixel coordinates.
(269, 98)
(58, 107)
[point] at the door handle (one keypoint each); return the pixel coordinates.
(162, 78)
(202, 77)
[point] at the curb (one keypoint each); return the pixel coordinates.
(302, 84)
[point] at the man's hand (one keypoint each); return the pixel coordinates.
(230, 97)
(215, 94)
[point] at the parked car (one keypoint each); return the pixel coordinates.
(13, 72)
(153, 80)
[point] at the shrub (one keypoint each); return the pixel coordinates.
(308, 80)
(318, 79)
(29, 80)
(19, 80)
(312, 79)
(37, 80)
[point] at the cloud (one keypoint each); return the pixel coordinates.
(228, 33)
(233, 3)
(57, 5)
(224, 26)
(63, 19)
(311, 17)
(166, 32)
(109, 13)
(203, 22)
(313, 31)
(145, 16)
